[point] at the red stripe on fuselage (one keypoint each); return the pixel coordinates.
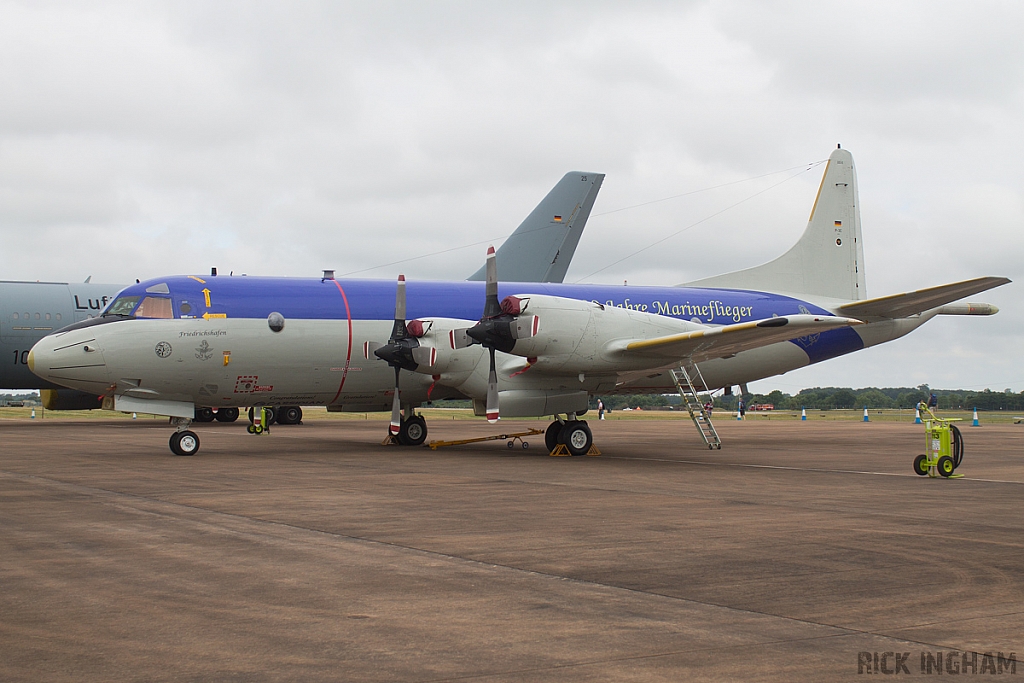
(348, 356)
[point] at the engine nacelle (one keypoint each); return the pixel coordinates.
(437, 355)
(571, 336)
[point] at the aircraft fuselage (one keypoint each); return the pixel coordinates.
(211, 344)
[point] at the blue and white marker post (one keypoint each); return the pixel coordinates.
(917, 415)
(866, 414)
(803, 413)
(33, 414)
(975, 423)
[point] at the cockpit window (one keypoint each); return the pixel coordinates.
(123, 305)
(154, 307)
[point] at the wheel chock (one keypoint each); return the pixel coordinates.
(390, 440)
(561, 451)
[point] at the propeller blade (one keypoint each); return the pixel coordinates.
(492, 392)
(424, 355)
(396, 407)
(400, 299)
(399, 331)
(492, 307)
(459, 339)
(525, 327)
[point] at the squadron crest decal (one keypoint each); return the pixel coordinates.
(203, 351)
(163, 349)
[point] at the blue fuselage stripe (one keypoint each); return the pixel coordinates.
(315, 299)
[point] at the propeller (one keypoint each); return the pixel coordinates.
(403, 351)
(498, 329)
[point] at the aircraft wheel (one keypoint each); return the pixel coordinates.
(551, 435)
(271, 415)
(945, 466)
(204, 415)
(226, 414)
(577, 437)
(289, 415)
(184, 443)
(919, 464)
(413, 431)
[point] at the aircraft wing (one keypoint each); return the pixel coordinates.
(543, 245)
(909, 303)
(719, 342)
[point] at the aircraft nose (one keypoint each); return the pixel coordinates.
(71, 360)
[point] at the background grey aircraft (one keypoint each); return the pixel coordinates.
(539, 250)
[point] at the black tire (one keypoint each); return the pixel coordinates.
(577, 437)
(551, 435)
(204, 415)
(289, 415)
(184, 443)
(945, 466)
(919, 464)
(958, 446)
(413, 431)
(226, 414)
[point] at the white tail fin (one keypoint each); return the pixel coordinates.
(828, 261)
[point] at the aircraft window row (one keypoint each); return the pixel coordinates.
(38, 316)
(154, 307)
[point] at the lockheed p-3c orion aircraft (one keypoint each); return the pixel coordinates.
(167, 345)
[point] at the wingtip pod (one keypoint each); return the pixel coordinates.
(968, 309)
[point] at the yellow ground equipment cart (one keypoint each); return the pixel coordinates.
(945, 446)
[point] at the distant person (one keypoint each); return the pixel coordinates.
(600, 409)
(933, 401)
(708, 407)
(743, 408)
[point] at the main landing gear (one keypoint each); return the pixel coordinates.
(574, 434)
(220, 415)
(184, 441)
(412, 432)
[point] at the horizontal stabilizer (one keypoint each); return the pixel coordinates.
(719, 342)
(909, 303)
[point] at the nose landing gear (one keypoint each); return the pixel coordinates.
(184, 441)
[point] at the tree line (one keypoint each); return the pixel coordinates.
(833, 398)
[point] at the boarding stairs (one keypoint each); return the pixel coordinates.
(684, 377)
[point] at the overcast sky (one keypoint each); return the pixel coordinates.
(138, 140)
